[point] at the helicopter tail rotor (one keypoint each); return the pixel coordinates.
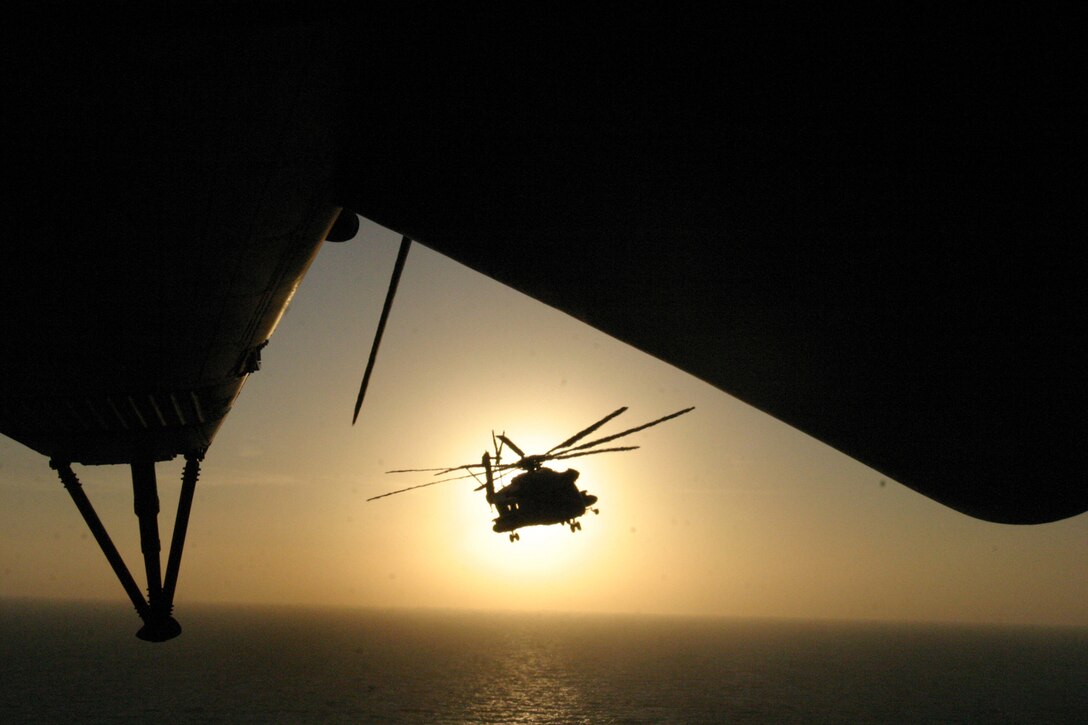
(489, 479)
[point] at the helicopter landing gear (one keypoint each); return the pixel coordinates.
(595, 511)
(515, 537)
(575, 526)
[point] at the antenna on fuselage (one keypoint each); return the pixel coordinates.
(398, 267)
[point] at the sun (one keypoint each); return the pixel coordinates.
(453, 557)
(541, 552)
(547, 564)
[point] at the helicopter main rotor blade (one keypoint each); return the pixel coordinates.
(497, 482)
(422, 485)
(440, 471)
(629, 431)
(451, 469)
(564, 456)
(499, 471)
(582, 434)
(513, 445)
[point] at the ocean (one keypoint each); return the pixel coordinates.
(73, 662)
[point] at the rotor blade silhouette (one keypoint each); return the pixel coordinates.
(494, 476)
(629, 431)
(502, 469)
(568, 454)
(451, 469)
(422, 485)
(398, 267)
(499, 471)
(498, 481)
(429, 470)
(511, 443)
(582, 434)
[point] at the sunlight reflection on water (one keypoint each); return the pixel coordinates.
(62, 662)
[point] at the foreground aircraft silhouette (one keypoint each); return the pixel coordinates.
(866, 227)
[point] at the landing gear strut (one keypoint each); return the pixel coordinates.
(155, 611)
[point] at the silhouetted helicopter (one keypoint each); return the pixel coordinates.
(540, 496)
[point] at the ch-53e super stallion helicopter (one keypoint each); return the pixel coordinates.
(539, 496)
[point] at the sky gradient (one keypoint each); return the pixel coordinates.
(724, 511)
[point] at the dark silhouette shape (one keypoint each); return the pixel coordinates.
(540, 496)
(344, 228)
(394, 280)
(155, 611)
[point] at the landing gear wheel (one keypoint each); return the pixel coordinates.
(515, 537)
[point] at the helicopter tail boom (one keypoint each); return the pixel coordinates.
(489, 479)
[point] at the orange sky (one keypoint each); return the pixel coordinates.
(722, 511)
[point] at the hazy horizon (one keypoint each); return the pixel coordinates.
(206, 607)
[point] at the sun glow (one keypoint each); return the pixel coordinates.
(546, 563)
(541, 550)
(536, 542)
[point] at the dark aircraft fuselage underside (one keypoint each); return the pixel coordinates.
(872, 235)
(174, 196)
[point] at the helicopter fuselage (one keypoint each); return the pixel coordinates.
(538, 498)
